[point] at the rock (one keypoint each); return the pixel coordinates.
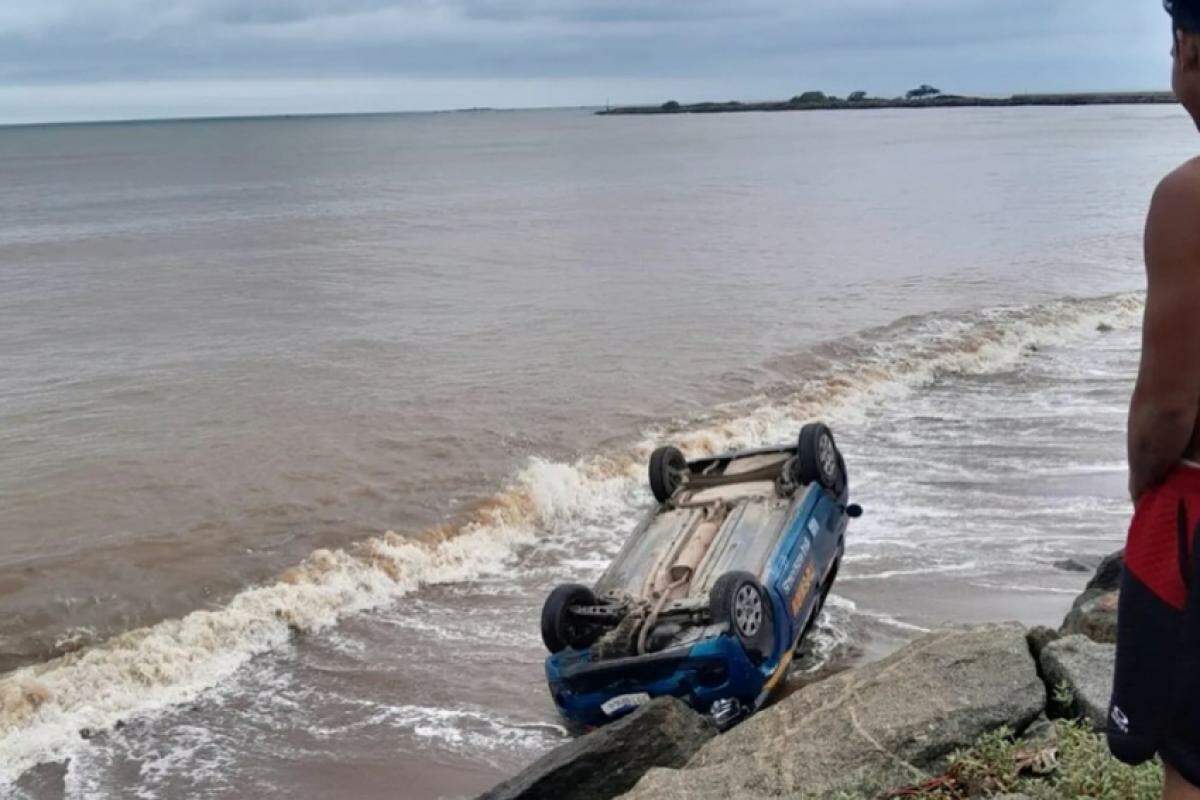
(1038, 637)
(1094, 617)
(1086, 668)
(1094, 613)
(610, 760)
(886, 724)
(1108, 574)
(1071, 565)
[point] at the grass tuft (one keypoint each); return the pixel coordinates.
(1073, 763)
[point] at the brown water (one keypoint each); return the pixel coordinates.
(238, 352)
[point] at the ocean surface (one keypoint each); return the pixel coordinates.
(300, 419)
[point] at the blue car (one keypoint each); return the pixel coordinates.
(715, 590)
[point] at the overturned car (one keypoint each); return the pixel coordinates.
(714, 591)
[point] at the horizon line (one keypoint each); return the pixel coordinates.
(466, 110)
(292, 115)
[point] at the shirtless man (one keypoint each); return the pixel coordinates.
(1156, 694)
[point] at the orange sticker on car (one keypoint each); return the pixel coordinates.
(806, 582)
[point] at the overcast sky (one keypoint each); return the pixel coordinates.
(94, 59)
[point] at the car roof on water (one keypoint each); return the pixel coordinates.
(744, 542)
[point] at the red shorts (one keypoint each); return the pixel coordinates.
(1156, 689)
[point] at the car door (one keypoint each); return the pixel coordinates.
(797, 566)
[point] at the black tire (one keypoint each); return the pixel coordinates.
(559, 630)
(738, 599)
(818, 459)
(667, 468)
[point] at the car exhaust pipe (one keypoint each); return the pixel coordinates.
(693, 552)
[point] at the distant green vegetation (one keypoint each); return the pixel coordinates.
(924, 90)
(809, 97)
(924, 96)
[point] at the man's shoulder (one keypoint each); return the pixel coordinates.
(1181, 187)
(1172, 232)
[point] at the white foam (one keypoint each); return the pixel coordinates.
(1025, 588)
(933, 569)
(465, 728)
(470, 729)
(828, 636)
(902, 358)
(43, 707)
(892, 622)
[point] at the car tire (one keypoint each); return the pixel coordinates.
(818, 459)
(559, 631)
(667, 468)
(738, 599)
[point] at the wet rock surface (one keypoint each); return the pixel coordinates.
(610, 760)
(885, 724)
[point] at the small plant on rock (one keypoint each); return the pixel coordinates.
(1076, 764)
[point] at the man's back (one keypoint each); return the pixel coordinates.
(1166, 402)
(1156, 690)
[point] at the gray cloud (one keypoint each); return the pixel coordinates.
(883, 45)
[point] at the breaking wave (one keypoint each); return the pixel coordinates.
(44, 707)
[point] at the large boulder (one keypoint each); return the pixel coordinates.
(610, 760)
(1085, 669)
(886, 724)
(1094, 613)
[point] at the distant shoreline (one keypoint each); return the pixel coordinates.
(940, 101)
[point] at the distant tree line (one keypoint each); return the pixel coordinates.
(924, 90)
(814, 97)
(811, 97)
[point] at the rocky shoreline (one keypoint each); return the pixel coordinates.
(800, 103)
(882, 730)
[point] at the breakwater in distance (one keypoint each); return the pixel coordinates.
(811, 102)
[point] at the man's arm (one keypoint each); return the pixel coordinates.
(1166, 401)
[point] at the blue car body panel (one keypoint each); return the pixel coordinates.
(718, 667)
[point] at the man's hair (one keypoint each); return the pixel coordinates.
(1185, 14)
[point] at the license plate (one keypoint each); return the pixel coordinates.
(624, 703)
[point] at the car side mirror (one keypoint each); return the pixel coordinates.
(854, 511)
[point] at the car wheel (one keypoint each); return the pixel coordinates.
(738, 600)
(818, 459)
(559, 630)
(667, 468)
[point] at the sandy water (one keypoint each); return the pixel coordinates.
(240, 352)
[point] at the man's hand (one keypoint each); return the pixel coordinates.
(1166, 401)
